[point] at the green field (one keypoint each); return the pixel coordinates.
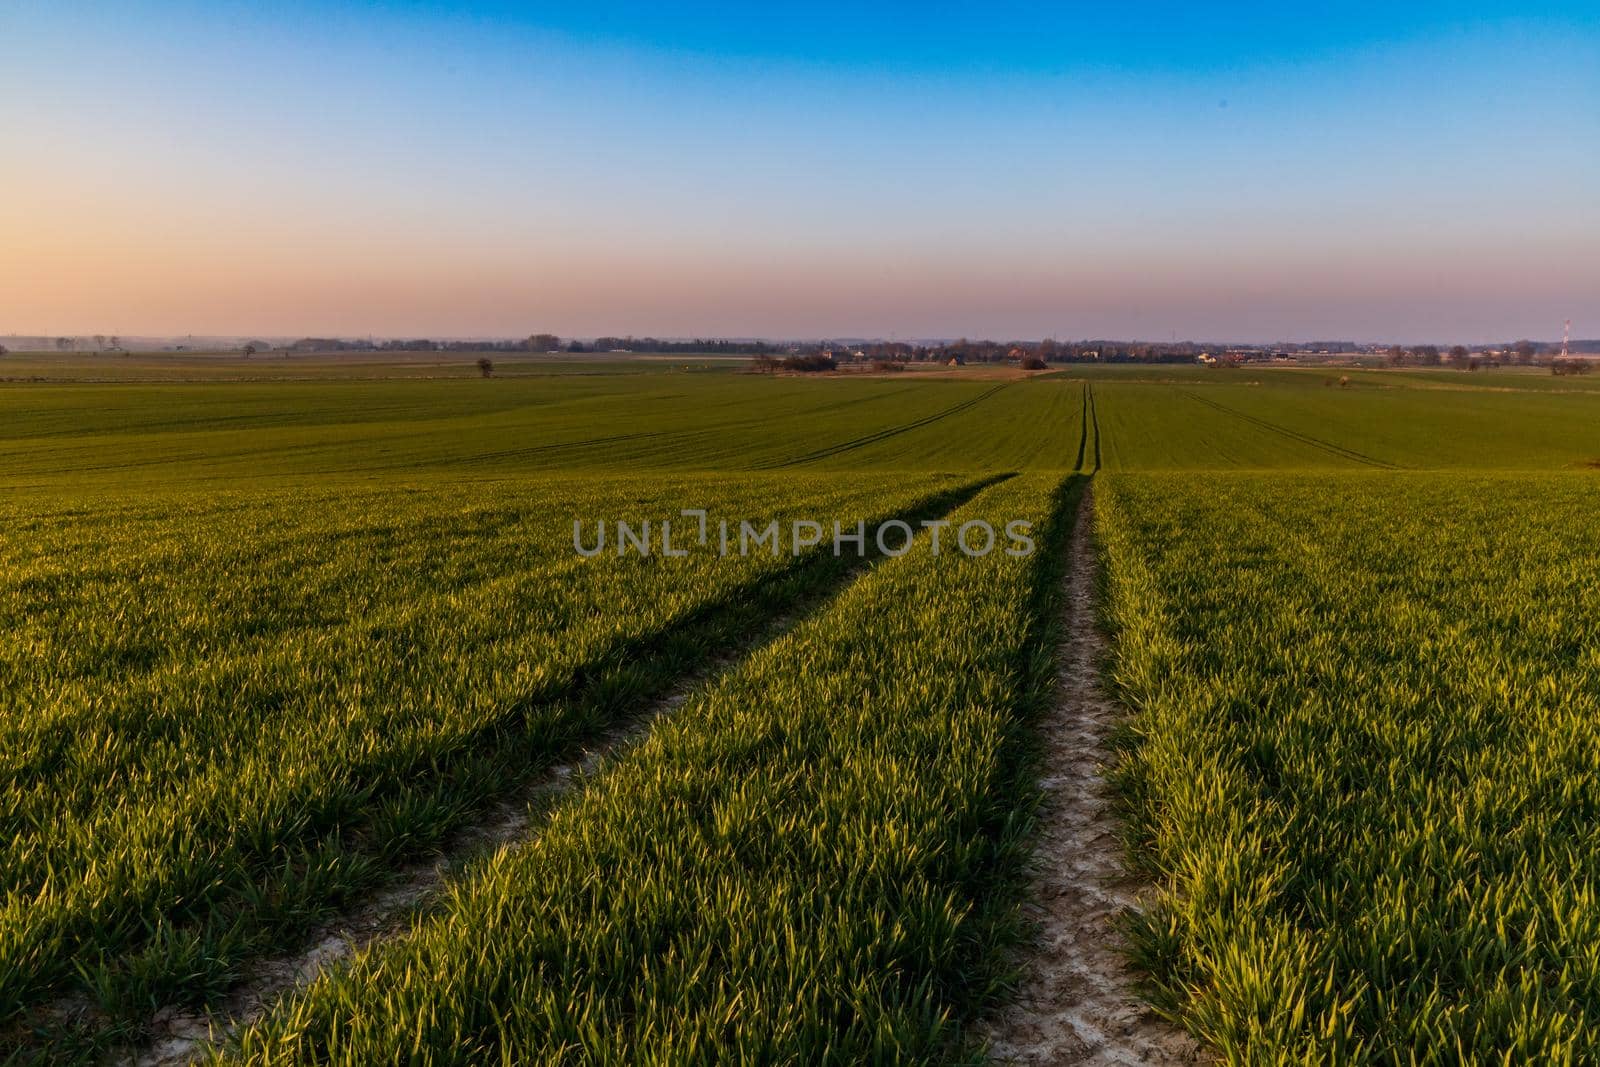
(654, 415)
(277, 629)
(1365, 760)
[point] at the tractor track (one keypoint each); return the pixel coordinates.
(1078, 1001)
(177, 1036)
(882, 435)
(1295, 435)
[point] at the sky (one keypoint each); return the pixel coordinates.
(1252, 172)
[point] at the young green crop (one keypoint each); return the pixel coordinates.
(267, 639)
(221, 720)
(96, 439)
(809, 862)
(1364, 763)
(152, 436)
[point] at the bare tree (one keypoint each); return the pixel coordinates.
(249, 350)
(64, 344)
(1524, 351)
(99, 342)
(485, 366)
(1459, 357)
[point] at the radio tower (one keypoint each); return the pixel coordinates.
(1566, 338)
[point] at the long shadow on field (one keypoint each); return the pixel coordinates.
(1094, 424)
(1089, 424)
(190, 956)
(1339, 451)
(880, 435)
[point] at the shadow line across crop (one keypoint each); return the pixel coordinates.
(192, 956)
(880, 435)
(816, 859)
(1294, 435)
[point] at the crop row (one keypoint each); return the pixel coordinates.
(222, 720)
(810, 861)
(96, 439)
(1363, 764)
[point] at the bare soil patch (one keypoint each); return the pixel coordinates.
(1077, 1002)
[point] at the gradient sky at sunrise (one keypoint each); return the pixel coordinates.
(1251, 172)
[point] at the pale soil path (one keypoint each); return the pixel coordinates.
(1077, 1001)
(178, 1036)
(181, 1036)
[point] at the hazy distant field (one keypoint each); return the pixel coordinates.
(218, 367)
(271, 641)
(367, 419)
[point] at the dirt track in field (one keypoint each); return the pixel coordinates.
(186, 1037)
(1077, 1001)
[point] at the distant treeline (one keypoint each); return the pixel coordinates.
(963, 350)
(1049, 350)
(539, 342)
(536, 343)
(1517, 354)
(708, 346)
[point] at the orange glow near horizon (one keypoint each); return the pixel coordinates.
(431, 179)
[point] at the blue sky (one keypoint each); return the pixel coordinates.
(1251, 171)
